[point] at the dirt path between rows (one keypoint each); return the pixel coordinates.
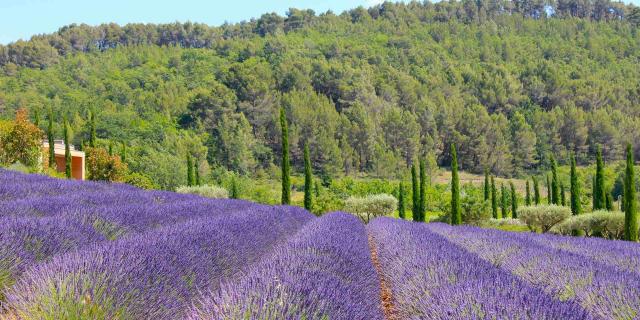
(386, 297)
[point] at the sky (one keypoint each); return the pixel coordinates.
(20, 19)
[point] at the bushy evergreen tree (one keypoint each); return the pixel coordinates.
(514, 201)
(401, 208)
(494, 199)
(630, 207)
(308, 201)
(527, 199)
(423, 190)
(415, 210)
(487, 187)
(286, 170)
(67, 150)
(456, 212)
(536, 191)
(576, 205)
(52, 152)
(600, 196)
(555, 184)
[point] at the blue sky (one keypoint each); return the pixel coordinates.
(20, 19)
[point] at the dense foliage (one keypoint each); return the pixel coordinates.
(370, 90)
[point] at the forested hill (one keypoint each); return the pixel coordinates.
(369, 89)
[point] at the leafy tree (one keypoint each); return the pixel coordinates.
(22, 142)
(576, 205)
(514, 201)
(308, 179)
(423, 190)
(401, 199)
(105, 167)
(456, 213)
(286, 174)
(630, 211)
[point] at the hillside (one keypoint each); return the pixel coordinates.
(370, 90)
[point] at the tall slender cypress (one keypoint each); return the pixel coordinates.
(36, 117)
(576, 206)
(415, 209)
(235, 194)
(549, 192)
(593, 192)
(609, 201)
(487, 187)
(494, 199)
(555, 184)
(514, 201)
(189, 170)
(423, 190)
(401, 208)
(563, 198)
(123, 152)
(52, 152)
(316, 189)
(308, 201)
(456, 212)
(286, 170)
(536, 191)
(92, 129)
(527, 199)
(196, 171)
(503, 201)
(630, 205)
(67, 150)
(600, 197)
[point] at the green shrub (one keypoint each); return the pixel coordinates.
(544, 217)
(372, 206)
(140, 180)
(600, 223)
(208, 191)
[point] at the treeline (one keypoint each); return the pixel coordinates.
(369, 90)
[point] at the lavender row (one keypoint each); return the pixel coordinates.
(324, 272)
(152, 275)
(432, 278)
(605, 291)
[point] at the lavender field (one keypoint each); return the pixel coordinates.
(83, 250)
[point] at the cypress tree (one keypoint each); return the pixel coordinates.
(593, 193)
(456, 213)
(549, 192)
(487, 188)
(123, 152)
(514, 201)
(234, 188)
(630, 205)
(110, 148)
(555, 184)
(536, 191)
(92, 129)
(563, 198)
(52, 152)
(503, 201)
(415, 210)
(286, 170)
(196, 171)
(36, 117)
(307, 179)
(609, 202)
(401, 208)
(423, 190)
(494, 199)
(67, 150)
(600, 195)
(189, 170)
(527, 200)
(317, 189)
(576, 206)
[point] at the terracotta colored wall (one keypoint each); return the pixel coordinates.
(76, 166)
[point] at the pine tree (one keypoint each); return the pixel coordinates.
(52, 152)
(536, 191)
(528, 195)
(630, 207)
(494, 199)
(190, 177)
(92, 129)
(549, 192)
(600, 197)
(576, 206)
(423, 190)
(487, 188)
(555, 184)
(415, 210)
(196, 172)
(456, 213)
(503, 202)
(514, 201)
(307, 179)
(401, 208)
(286, 170)
(67, 150)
